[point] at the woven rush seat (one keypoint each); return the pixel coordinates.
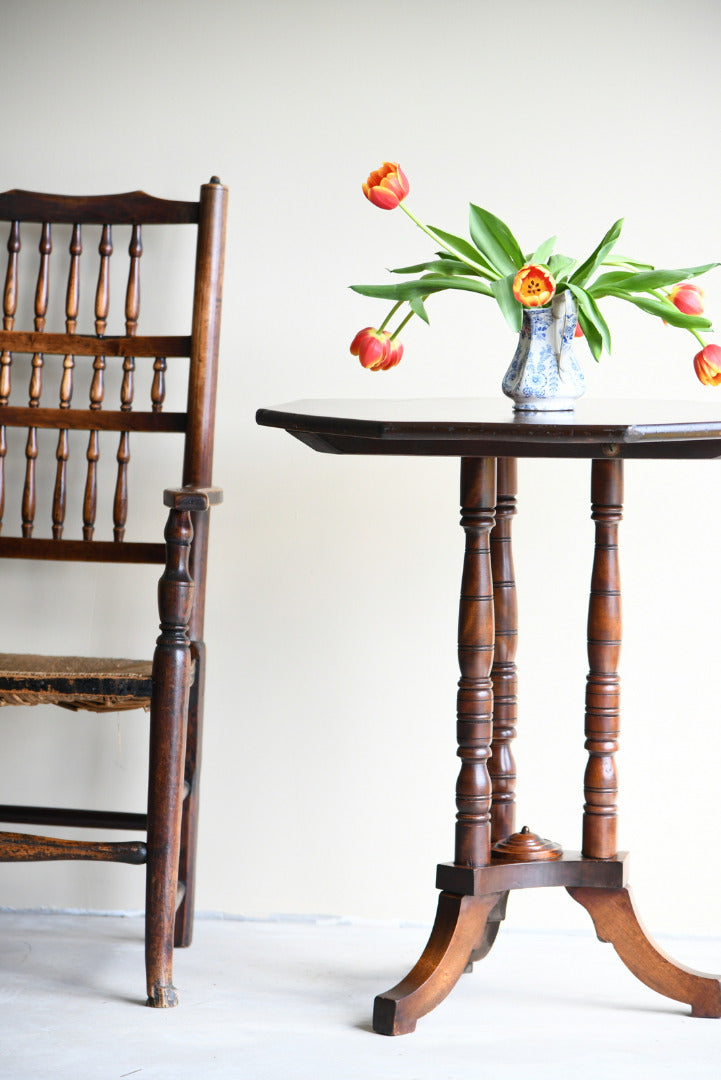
(75, 682)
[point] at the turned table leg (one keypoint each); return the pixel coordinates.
(612, 910)
(460, 926)
(501, 766)
(604, 646)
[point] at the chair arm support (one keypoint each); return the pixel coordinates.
(192, 498)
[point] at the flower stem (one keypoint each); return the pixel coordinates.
(400, 326)
(481, 270)
(390, 314)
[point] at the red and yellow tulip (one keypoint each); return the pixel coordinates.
(376, 349)
(707, 365)
(688, 298)
(386, 187)
(534, 285)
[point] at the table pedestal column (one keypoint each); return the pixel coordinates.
(474, 888)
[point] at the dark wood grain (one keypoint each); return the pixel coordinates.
(171, 687)
(53, 344)
(616, 921)
(504, 675)
(93, 419)
(173, 778)
(604, 647)
(474, 427)
(475, 657)
(475, 885)
(125, 209)
(21, 847)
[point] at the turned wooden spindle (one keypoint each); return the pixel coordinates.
(604, 645)
(127, 391)
(501, 765)
(157, 391)
(475, 658)
(36, 381)
(97, 386)
(10, 300)
(171, 685)
(72, 300)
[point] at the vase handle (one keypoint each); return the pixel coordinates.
(561, 308)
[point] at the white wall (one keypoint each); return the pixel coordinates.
(330, 750)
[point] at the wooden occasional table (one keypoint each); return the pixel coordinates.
(491, 858)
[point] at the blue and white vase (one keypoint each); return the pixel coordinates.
(544, 375)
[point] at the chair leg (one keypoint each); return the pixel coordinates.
(168, 728)
(189, 826)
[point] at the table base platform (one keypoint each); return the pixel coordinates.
(472, 905)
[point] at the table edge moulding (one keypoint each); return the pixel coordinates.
(492, 858)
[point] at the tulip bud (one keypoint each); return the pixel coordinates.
(534, 285)
(688, 298)
(707, 365)
(376, 349)
(387, 186)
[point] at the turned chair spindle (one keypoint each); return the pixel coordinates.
(36, 381)
(127, 391)
(10, 300)
(72, 302)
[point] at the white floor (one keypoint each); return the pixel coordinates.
(291, 1000)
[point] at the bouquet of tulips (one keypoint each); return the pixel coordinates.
(493, 264)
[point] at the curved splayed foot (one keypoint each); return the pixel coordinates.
(458, 933)
(615, 919)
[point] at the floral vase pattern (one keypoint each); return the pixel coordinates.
(544, 374)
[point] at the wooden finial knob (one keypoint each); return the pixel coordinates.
(525, 846)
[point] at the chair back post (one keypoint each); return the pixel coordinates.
(203, 380)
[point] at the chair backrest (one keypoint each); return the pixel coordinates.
(57, 359)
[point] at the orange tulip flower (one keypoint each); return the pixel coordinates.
(376, 349)
(534, 285)
(387, 186)
(707, 365)
(688, 298)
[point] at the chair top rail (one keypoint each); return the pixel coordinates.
(129, 208)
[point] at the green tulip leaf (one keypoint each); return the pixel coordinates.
(419, 308)
(597, 257)
(664, 309)
(455, 281)
(592, 316)
(464, 251)
(495, 241)
(432, 283)
(627, 264)
(561, 266)
(512, 310)
(593, 337)
(646, 280)
(445, 265)
(544, 251)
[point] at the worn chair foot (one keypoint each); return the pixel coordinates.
(457, 934)
(616, 921)
(163, 997)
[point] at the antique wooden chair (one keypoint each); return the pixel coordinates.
(171, 685)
